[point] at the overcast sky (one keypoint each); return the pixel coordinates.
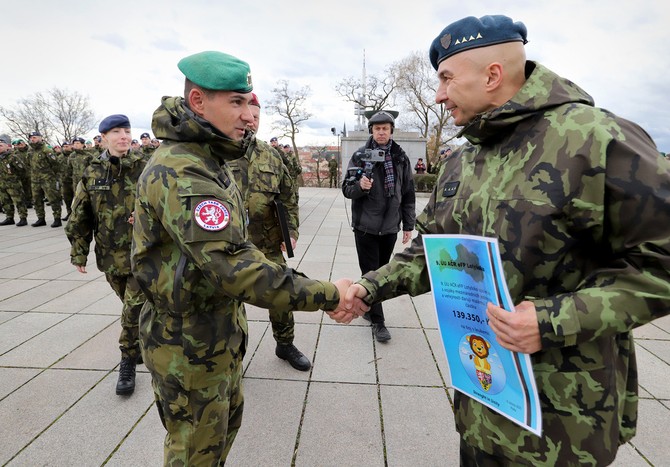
(123, 54)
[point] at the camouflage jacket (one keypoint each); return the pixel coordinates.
(43, 161)
(577, 198)
(192, 258)
(147, 151)
(77, 163)
(102, 204)
(293, 164)
(64, 166)
(12, 168)
(262, 177)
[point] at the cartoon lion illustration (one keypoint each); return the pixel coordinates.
(480, 348)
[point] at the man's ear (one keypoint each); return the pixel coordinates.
(494, 76)
(196, 101)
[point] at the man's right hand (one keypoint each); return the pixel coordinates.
(366, 183)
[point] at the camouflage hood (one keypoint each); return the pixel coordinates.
(174, 121)
(542, 90)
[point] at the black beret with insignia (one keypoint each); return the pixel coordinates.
(471, 33)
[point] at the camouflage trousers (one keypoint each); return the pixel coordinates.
(128, 290)
(68, 195)
(283, 324)
(11, 194)
(46, 186)
(201, 423)
(27, 190)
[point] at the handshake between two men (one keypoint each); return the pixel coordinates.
(351, 304)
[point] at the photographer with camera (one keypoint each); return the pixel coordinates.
(380, 185)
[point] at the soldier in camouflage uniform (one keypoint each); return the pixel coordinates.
(263, 178)
(11, 190)
(78, 161)
(577, 198)
(21, 151)
(44, 170)
(194, 262)
(147, 149)
(103, 210)
(332, 172)
(67, 190)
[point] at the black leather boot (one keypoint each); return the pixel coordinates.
(39, 223)
(291, 354)
(7, 221)
(126, 383)
(22, 222)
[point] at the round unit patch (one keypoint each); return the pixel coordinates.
(211, 215)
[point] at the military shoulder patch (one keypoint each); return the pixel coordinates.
(211, 215)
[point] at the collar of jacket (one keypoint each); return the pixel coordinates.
(173, 121)
(543, 90)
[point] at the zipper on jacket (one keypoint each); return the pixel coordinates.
(178, 280)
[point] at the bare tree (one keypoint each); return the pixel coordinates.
(60, 114)
(289, 105)
(417, 86)
(70, 112)
(28, 115)
(378, 95)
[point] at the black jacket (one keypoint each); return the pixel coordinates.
(372, 211)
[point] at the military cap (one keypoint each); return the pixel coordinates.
(274, 138)
(254, 100)
(18, 141)
(471, 33)
(113, 121)
(145, 135)
(5, 139)
(287, 146)
(217, 71)
(134, 141)
(66, 143)
(35, 133)
(79, 139)
(97, 138)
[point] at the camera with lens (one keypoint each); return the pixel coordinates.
(365, 161)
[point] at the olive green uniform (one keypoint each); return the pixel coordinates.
(263, 178)
(578, 200)
(11, 188)
(103, 203)
(194, 262)
(44, 177)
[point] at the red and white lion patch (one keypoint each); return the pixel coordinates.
(211, 215)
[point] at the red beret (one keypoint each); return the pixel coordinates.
(254, 100)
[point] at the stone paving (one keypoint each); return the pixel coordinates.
(363, 403)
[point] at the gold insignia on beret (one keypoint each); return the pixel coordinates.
(445, 41)
(249, 79)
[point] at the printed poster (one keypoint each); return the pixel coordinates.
(465, 274)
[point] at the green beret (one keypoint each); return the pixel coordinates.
(471, 33)
(217, 71)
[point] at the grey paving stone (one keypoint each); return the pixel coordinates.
(627, 456)
(79, 298)
(30, 266)
(425, 308)
(144, 444)
(13, 378)
(256, 332)
(400, 312)
(650, 331)
(55, 271)
(663, 323)
(650, 368)
(100, 352)
(272, 413)
(344, 355)
(411, 424)
(109, 304)
(15, 287)
(50, 346)
(31, 409)
(41, 293)
(317, 270)
(265, 363)
(652, 436)
(88, 433)
(341, 426)
(320, 253)
(24, 327)
(406, 359)
(8, 315)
